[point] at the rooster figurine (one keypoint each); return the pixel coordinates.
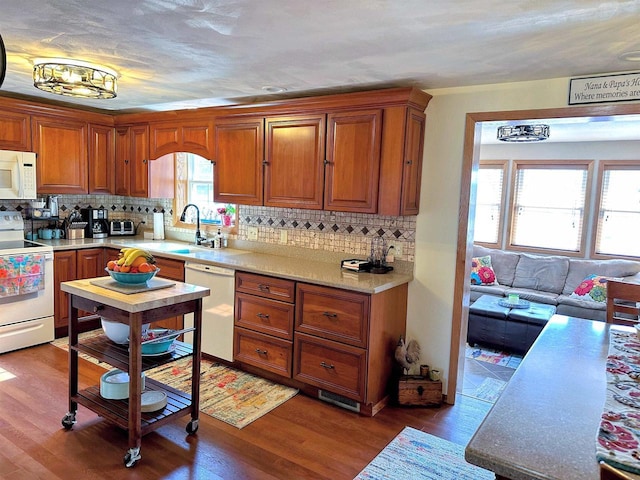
(407, 354)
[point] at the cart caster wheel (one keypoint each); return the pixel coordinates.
(132, 457)
(192, 427)
(69, 420)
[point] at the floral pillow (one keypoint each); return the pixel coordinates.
(593, 288)
(481, 271)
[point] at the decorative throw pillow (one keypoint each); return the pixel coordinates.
(593, 288)
(481, 271)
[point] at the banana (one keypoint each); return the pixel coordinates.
(132, 255)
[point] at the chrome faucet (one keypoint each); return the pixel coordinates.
(199, 238)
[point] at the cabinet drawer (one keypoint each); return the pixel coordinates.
(332, 313)
(263, 351)
(268, 287)
(170, 268)
(264, 315)
(330, 365)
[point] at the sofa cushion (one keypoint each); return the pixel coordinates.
(481, 271)
(592, 289)
(579, 269)
(496, 290)
(535, 272)
(572, 307)
(503, 263)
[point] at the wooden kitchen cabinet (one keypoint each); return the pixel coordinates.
(294, 161)
(61, 146)
(238, 157)
(353, 161)
(73, 265)
(263, 326)
(181, 136)
(15, 131)
(344, 341)
(401, 161)
(101, 159)
(136, 175)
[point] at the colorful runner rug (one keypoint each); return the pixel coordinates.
(417, 455)
(230, 395)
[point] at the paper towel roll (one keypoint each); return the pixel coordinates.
(158, 226)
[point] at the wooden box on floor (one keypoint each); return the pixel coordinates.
(414, 390)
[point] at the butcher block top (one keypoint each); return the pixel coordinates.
(179, 292)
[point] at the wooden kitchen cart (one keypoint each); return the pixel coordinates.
(135, 310)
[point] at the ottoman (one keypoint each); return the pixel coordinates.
(508, 329)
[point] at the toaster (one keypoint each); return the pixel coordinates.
(121, 227)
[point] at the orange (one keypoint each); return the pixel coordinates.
(145, 268)
(125, 268)
(138, 261)
(111, 264)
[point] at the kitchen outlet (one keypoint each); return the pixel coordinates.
(396, 251)
(283, 236)
(253, 233)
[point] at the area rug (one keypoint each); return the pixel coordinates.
(227, 394)
(489, 390)
(416, 455)
(495, 357)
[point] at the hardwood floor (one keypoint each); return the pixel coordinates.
(302, 439)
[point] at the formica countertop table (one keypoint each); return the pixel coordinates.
(544, 425)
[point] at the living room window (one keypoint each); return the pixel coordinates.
(619, 209)
(490, 197)
(548, 205)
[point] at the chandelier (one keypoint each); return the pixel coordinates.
(523, 133)
(74, 78)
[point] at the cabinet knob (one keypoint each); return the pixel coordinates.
(97, 308)
(261, 352)
(264, 288)
(265, 163)
(262, 315)
(328, 366)
(409, 162)
(126, 162)
(144, 161)
(330, 315)
(326, 162)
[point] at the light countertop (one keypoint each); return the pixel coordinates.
(327, 273)
(544, 425)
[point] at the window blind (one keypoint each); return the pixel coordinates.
(619, 215)
(488, 203)
(549, 206)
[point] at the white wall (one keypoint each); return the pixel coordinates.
(431, 293)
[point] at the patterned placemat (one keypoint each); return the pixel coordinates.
(618, 440)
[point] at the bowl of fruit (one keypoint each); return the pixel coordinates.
(134, 266)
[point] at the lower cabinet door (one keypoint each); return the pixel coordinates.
(330, 365)
(262, 351)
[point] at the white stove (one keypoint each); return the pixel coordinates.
(26, 293)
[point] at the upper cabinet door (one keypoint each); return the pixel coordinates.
(239, 153)
(101, 159)
(15, 131)
(194, 136)
(294, 170)
(412, 169)
(61, 146)
(123, 161)
(139, 186)
(353, 161)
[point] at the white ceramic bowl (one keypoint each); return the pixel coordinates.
(118, 332)
(114, 385)
(637, 328)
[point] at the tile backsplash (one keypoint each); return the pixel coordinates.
(329, 231)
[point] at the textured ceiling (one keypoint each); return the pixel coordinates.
(191, 53)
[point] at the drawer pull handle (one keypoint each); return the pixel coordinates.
(262, 315)
(264, 288)
(330, 315)
(97, 308)
(328, 366)
(261, 352)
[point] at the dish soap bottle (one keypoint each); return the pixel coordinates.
(217, 240)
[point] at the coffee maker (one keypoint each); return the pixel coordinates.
(97, 222)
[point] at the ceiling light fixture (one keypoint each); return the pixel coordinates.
(632, 56)
(74, 78)
(523, 133)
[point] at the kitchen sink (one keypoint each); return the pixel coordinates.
(168, 247)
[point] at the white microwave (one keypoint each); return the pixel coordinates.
(17, 175)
